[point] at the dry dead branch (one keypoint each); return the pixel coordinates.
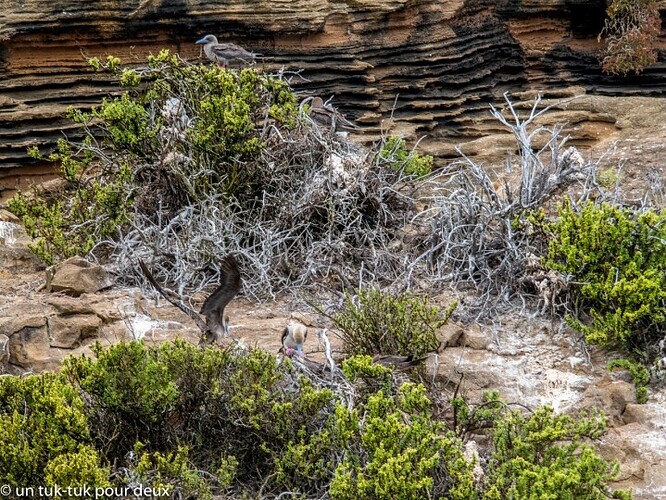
(480, 234)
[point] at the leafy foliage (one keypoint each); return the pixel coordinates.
(169, 471)
(144, 136)
(44, 434)
(232, 404)
(197, 160)
(617, 262)
(90, 210)
(204, 422)
(390, 457)
(394, 152)
(377, 322)
(544, 456)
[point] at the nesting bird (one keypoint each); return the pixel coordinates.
(293, 337)
(223, 53)
(325, 115)
(398, 363)
(217, 324)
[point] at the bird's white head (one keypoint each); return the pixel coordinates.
(208, 39)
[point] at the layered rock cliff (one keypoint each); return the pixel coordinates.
(412, 67)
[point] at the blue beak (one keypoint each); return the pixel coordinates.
(203, 40)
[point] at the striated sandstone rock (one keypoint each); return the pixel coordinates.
(66, 306)
(431, 66)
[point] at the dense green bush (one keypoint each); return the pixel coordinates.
(378, 322)
(545, 456)
(44, 434)
(213, 402)
(204, 422)
(168, 471)
(179, 133)
(617, 264)
(399, 451)
(92, 208)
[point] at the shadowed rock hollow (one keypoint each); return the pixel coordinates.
(410, 67)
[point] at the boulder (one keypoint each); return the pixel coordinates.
(76, 276)
(450, 335)
(21, 321)
(29, 349)
(69, 332)
(611, 395)
(67, 306)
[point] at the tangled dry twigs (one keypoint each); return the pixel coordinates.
(480, 234)
(310, 207)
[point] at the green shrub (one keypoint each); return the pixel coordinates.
(545, 456)
(91, 209)
(78, 470)
(204, 422)
(129, 157)
(216, 403)
(617, 263)
(399, 451)
(468, 419)
(378, 322)
(171, 472)
(394, 152)
(44, 434)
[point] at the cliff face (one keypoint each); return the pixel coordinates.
(431, 66)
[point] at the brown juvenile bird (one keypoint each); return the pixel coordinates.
(326, 115)
(217, 324)
(293, 337)
(223, 53)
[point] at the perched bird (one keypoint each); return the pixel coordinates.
(223, 53)
(293, 338)
(217, 324)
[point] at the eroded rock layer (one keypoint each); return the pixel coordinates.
(411, 67)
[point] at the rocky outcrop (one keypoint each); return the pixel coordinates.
(76, 276)
(40, 332)
(40, 324)
(412, 67)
